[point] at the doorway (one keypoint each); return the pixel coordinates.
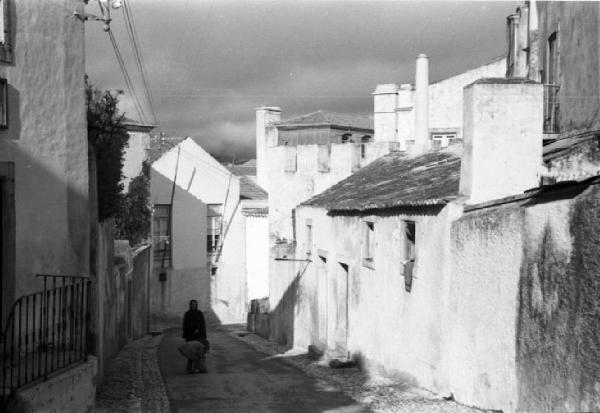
(341, 331)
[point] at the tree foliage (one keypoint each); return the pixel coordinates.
(108, 138)
(133, 221)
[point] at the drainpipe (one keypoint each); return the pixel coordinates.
(422, 104)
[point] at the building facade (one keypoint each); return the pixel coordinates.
(45, 210)
(470, 270)
(203, 216)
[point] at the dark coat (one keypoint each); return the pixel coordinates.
(194, 327)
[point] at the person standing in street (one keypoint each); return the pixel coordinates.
(194, 329)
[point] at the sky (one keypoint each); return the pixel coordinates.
(210, 63)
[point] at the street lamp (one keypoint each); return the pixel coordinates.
(105, 6)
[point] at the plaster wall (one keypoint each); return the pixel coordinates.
(522, 321)
(487, 250)
(502, 139)
(230, 283)
(445, 104)
(135, 155)
(46, 140)
(309, 177)
(577, 24)
(200, 181)
(257, 256)
(405, 335)
(446, 96)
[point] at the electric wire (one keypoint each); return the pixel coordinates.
(138, 57)
(127, 78)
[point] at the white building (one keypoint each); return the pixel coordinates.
(203, 216)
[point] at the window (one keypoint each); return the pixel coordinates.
(442, 139)
(309, 238)
(162, 235)
(347, 138)
(3, 104)
(214, 224)
(5, 46)
(369, 244)
(551, 86)
(409, 253)
(512, 32)
(363, 147)
(552, 60)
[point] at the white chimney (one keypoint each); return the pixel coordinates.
(405, 116)
(384, 112)
(534, 43)
(266, 136)
(422, 104)
(502, 130)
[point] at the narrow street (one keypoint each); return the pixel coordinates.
(241, 379)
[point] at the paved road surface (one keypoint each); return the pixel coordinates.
(240, 379)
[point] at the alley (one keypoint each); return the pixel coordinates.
(240, 379)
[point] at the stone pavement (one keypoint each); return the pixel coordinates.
(379, 394)
(132, 381)
(250, 374)
(242, 379)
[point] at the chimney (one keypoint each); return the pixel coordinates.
(533, 43)
(405, 116)
(384, 112)
(502, 129)
(266, 137)
(422, 104)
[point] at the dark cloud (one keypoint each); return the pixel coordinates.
(210, 63)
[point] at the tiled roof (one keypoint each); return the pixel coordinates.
(250, 190)
(345, 120)
(159, 145)
(397, 180)
(565, 145)
(246, 168)
(255, 212)
(134, 125)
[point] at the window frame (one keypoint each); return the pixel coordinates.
(444, 138)
(163, 254)
(368, 260)
(308, 247)
(214, 215)
(6, 54)
(409, 253)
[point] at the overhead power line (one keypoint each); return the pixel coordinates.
(138, 57)
(128, 82)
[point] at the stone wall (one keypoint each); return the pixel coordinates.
(71, 391)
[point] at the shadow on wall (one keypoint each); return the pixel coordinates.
(558, 329)
(282, 317)
(172, 288)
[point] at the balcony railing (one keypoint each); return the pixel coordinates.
(551, 107)
(45, 332)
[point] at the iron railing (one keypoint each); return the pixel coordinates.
(551, 107)
(45, 332)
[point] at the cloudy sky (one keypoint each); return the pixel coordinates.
(211, 62)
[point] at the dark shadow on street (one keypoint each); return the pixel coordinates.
(241, 379)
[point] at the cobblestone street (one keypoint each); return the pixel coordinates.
(242, 379)
(247, 373)
(132, 382)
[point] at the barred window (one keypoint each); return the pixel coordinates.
(161, 236)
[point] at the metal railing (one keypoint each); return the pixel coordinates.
(551, 107)
(45, 332)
